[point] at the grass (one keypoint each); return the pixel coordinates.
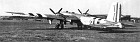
(36, 31)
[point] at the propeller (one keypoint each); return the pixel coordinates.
(56, 12)
(52, 11)
(86, 11)
(80, 11)
(60, 14)
(59, 10)
(83, 13)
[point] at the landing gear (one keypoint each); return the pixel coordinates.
(80, 26)
(104, 27)
(61, 24)
(121, 26)
(57, 26)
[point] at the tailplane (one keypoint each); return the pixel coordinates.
(114, 13)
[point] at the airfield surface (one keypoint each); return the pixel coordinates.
(37, 31)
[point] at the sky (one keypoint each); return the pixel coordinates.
(129, 7)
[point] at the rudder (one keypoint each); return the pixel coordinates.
(114, 12)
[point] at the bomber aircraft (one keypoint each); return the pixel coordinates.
(112, 20)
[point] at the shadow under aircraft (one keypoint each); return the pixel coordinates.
(127, 25)
(101, 30)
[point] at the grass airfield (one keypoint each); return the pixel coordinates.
(37, 31)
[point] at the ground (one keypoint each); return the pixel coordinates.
(42, 31)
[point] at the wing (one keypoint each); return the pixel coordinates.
(20, 13)
(53, 16)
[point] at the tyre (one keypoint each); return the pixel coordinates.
(57, 26)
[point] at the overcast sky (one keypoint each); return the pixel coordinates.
(129, 7)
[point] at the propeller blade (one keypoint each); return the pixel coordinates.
(52, 11)
(59, 10)
(80, 11)
(86, 11)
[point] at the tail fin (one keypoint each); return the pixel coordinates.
(114, 13)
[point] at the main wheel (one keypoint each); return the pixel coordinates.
(122, 26)
(62, 26)
(57, 26)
